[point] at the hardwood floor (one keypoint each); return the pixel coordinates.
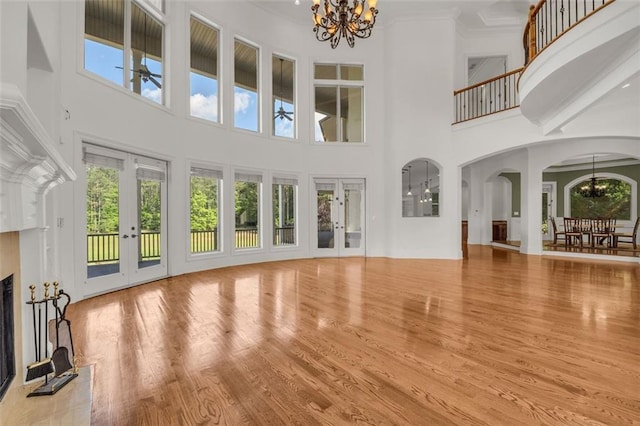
(497, 339)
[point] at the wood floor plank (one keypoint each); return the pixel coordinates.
(496, 339)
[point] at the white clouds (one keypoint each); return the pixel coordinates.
(153, 94)
(242, 101)
(283, 128)
(204, 106)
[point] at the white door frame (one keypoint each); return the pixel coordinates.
(343, 244)
(130, 271)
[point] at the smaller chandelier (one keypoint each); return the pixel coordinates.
(342, 20)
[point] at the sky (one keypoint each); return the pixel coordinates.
(104, 60)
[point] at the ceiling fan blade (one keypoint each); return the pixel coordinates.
(276, 116)
(154, 81)
(287, 117)
(119, 67)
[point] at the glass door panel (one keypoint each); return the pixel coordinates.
(339, 228)
(326, 213)
(353, 213)
(103, 220)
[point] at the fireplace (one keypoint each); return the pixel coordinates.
(7, 342)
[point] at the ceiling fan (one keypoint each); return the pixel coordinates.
(143, 71)
(281, 111)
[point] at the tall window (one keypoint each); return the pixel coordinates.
(108, 35)
(204, 99)
(283, 90)
(247, 210)
(284, 211)
(205, 185)
(245, 91)
(615, 204)
(339, 101)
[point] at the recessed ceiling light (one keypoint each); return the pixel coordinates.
(626, 85)
(297, 2)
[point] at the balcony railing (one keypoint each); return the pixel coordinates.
(488, 97)
(549, 19)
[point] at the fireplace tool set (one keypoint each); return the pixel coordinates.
(59, 368)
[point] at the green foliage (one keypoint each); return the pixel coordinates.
(615, 204)
(149, 198)
(204, 203)
(287, 192)
(102, 200)
(246, 204)
(325, 202)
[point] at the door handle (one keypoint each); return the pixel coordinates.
(133, 235)
(125, 236)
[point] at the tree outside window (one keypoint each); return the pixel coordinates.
(615, 204)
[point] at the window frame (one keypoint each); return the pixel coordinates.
(259, 97)
(294, 96)
(259, 175)
(125, 87)
(215, 168)
(338, 83)
(296, 192)
(220, 69)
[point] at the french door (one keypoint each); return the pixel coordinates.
(340, 226)
(126, 204)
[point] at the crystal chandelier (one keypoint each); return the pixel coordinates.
(340, 19)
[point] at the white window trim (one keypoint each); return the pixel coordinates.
(190, 257)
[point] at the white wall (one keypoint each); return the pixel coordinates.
(412, 67)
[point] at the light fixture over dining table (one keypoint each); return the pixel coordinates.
(593, 189)
(343, 18)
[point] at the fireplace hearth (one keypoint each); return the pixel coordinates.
(7, 340)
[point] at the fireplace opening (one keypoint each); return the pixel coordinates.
(7, 342)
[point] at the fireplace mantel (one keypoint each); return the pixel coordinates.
(30, 165)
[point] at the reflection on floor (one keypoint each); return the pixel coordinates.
(625, 250)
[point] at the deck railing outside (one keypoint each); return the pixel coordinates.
(104, 248)
(284, 236)
(549, 19)
(488, 97)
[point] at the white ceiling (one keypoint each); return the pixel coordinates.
(473, 14)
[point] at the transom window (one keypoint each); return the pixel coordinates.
(339, 102)
(110, 32)
(204, 99)
(283, 92)
(245, 93)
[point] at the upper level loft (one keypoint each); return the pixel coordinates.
(576, 53)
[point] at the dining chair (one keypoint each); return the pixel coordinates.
(572, 230)
(632, 236)
(601, 230)
(556, 233)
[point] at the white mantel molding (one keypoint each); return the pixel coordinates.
(30, 165)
